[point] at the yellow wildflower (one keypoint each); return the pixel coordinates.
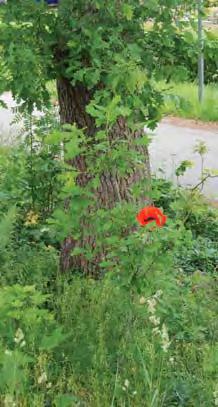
(32, 218)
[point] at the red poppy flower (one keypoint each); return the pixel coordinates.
(151, 214)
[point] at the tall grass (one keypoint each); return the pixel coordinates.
(181, 99)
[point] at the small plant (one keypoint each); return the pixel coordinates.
(29, 334)
(182, 168)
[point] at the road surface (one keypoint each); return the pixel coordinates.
(171, 143)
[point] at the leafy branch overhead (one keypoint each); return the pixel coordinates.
(103, 45)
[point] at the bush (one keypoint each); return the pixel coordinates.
(201, 255)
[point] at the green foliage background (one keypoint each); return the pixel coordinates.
(145, 332)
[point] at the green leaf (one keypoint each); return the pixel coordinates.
(127, 11)
(182, 168)
(56, 137)
(66, 400)
(77, 250)
(72, 148)
(106, 264)
(53, 340)
(6, 227)
(142, 141)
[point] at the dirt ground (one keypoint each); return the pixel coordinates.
(192, 124)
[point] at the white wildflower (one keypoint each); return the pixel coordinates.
(151, 305)
(142, 300)
(154, 320)
(215, 395)
(8, 352)
(165, 338)
(19, 336)
(126, 383)
(43, 378)
(156, 331)
(9, 401)
(171, 360)
(165, 335)
(165, 346)
(158, 294)
(44, 229)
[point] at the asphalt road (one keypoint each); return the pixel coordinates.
(171, 144)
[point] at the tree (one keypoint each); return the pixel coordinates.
(97, 52)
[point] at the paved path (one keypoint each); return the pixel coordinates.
(171, 143)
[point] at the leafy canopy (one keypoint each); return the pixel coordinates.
(102, 44)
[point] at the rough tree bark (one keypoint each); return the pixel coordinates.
(73, 102)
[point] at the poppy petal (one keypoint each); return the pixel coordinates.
(151, 214)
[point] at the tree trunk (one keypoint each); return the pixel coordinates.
(113, 188)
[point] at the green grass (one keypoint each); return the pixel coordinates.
(181, 99)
